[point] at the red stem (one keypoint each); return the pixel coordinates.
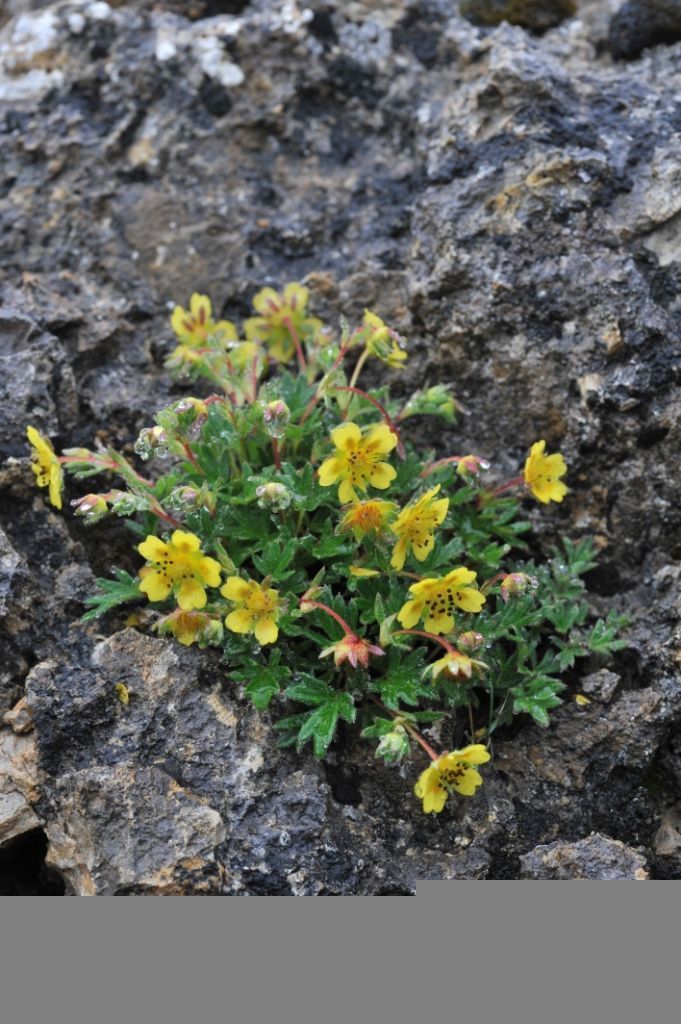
(277, 454)
(192, 458)
(315, 398)
(440, 462)
(288, 323)
(508, 485)
(430, 636)
(329, 611)
(254, 377)
(384, 412)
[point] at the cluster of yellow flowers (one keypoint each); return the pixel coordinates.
(359, 460)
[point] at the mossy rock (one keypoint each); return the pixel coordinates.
(537, 15)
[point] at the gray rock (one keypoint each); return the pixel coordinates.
(511, 203)
(601, 685)
(596, 857)
(639, 24)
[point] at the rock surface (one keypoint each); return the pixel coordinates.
(596, 857)
(512, 203)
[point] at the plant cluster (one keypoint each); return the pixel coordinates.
(346, 576)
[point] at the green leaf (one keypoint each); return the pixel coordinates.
(603, 636)
(121, 589)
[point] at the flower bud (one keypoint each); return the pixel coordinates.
(183, 500)
(276, 415)
(470, 641)
(393, 746)
(152, 441)
(471, 465)
(516, 583)
(273, 496)
(91, 508)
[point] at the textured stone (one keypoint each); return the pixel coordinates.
(511, 203)
(639, 24)
(596, 857)
(533, 14)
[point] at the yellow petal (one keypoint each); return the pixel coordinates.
(440, 509)
(266, 631)
(476, 753)
(296, 296)
(469, 600)
(236, 589)
(358, 570)
(410, 613)
(185, 541)
(239, 621)
(178, 322)
(460, 576)
(399, 554)
(154, 585)
(468, 783)
(266, 301)
(191, 595)
(346, 492)
(56, 484)
(255, 328)
(422, 550)
(153, 549)
(201, 307)
(382, 436)
(439, 624)
(347, 434)
(209, 570)
(330, 470)
(382, 475)
(227, 330)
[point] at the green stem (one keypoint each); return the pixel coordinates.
(358, 368)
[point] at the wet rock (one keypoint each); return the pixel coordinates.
(537, 15)
(601, 685)
(596, 857)
(639, 24)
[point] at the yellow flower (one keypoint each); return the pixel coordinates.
(415, 527)
(382, 342)
(542, 474)
(46, 465)
(361, 572)
(453, 772)
(194, 326)
(257, 609)
(180, 566)
(456, 665)
(356, 461)
(242, 353)
(278, 313)
(190, 626)
(365, 517)
(435, 599)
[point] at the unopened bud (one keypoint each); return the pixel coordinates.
(470, 641)
(91, 508)
(273, 496)
(275, 417)
(393, 746)
(471, 465)
(516, 583)
(152, 441)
